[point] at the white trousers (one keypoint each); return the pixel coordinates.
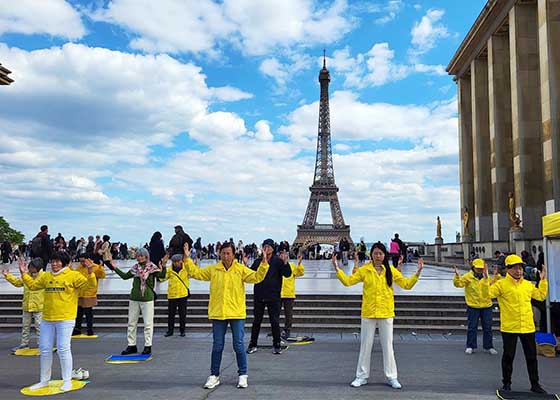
(62, 331)
(26, 320)
(135, 308)
(385, 326)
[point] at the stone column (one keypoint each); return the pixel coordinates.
(526, 118)
(481, 153)
(549, 52)
(465, 155)
(501, 160)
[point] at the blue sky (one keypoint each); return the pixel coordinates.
(128, 117)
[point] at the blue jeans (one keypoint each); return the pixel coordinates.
(485, 316)
(219, 329)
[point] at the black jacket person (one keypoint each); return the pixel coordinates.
(267, 294)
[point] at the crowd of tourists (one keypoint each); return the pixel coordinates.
(56, 299)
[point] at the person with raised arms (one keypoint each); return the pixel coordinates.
(227, 305)
(288, 293)
(479, 306)
(62, 286)
(378, 309)
(514, 296)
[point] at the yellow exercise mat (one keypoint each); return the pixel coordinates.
(82, 336)
(29, 352)
(53, 388)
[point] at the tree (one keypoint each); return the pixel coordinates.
(8, 233)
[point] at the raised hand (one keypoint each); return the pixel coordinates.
(299, 258)
(113, 265)
(485, 272)
(335, 262)
(265, 257)
(495, 271)
(187, 250)
(245, 258)
(420, 266)
(160, 266)
(356, 259)
(5, 271)
(542, 273)
(165, 259)
(456, 270)
(22, 266)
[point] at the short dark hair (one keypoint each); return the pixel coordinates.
(61, 256)
(178, 227)
(497, 252)
(106, 238)
(396, 235)
(44, 228)
(226, 245)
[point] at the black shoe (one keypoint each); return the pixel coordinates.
(90, 333)
(76, 332)
(168, 333)
(147, 350)
(277, 350)
(129, 350)
(507, 387)
(251, 349)
(182, 334)
(538, 389)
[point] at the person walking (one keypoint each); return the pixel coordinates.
(105, 251)
(479, 306)
(267, 294)
(288, 293)
(395, 249)
(41, 245)
(61, 286)
(88, 296)
(514, 296)
(378, 309)
(157, 248)
(344, 247)
(362, 249)
(142, 298)
(227, 306)
(177, 294)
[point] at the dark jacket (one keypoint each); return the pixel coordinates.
(271, 286)
(178, 241)
(157, 251)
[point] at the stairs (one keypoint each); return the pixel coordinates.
(312, 313)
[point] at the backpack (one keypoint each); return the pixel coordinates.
(36, 245)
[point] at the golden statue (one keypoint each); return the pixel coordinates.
(438, 228)
(466, 222)
(513, 216)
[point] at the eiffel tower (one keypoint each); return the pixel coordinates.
(324, 188)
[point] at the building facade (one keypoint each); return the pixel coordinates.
(507, 71)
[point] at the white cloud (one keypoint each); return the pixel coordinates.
(391, 9)
(51, 17)
(263, 131)
(376, 67)
(282, 73)
(256, 27)
(427, 32)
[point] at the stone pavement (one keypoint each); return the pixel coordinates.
(430, 367)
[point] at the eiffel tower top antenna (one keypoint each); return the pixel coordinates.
(324, 59)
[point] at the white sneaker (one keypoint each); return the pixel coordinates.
(468, 350)
(242, 383)
(212, 382)
(39, 385)
(491, 351)
(394, 383)
(358, 382)
(66, 386)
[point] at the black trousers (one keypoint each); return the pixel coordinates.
(530, 350)
(273, 307)
(288, 306)
(174, 305)
(88, 311)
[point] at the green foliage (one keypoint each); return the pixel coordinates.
(6, 232)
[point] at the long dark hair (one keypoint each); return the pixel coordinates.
(388, 272)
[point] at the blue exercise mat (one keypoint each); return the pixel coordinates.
(545, 338)
(128, 359)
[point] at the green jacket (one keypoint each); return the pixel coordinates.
(135, 292)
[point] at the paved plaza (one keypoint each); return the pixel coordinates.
(429, 368)
(319, 278)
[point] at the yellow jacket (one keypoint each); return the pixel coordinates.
(473, 290)
(514, 298)
(32, 299)
(61, 292)
(378, 299)
(227, 287)
(289, 284)
(99, 273)
(175, 288)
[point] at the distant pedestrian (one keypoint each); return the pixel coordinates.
(178, 241)
(157, 248)
(41, 245)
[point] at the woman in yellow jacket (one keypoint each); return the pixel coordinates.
(61, 286)
(88, 296)
(227, 306)
(479, 306)
(514, 296)
(177, 294)
(32, 303)
(378, 309)
(288, 293)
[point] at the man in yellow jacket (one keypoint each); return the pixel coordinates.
(514, 296)
(177, 294)
(227, 306)
(32, 304)
(479, 306)
(288, 293)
